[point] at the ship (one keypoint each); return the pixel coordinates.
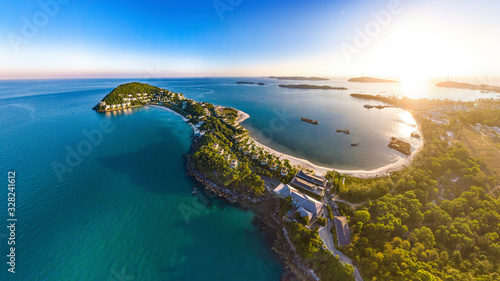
(400, 145)
(355, 144)
(368, 106)
(310, 121)
(415, 135)
(345, 131)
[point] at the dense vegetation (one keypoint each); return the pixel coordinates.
(309, 246)
(489, 117)
(437, 223)
(214, 165)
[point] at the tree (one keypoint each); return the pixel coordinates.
(362, 216)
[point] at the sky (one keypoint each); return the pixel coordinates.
(405, 39)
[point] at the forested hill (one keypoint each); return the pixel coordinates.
(119, 93)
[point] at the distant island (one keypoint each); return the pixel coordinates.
(371, 80)
(306, 86)
(301, 78)
(250, 83)
(467, 86)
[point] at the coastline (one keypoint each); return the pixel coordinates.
(363, 174)
(321, 170)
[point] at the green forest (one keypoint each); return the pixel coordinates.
(116, 96)
(436, 219)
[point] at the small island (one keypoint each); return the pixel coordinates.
(314, 87)
(458, 85)
(299, 78)
(251, 83)
(371, 80)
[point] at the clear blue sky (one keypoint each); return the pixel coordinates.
(191, 38)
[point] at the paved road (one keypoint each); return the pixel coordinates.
(324, 234)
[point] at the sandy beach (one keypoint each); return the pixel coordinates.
(319, 170)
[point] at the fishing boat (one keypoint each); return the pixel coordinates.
(310, 121)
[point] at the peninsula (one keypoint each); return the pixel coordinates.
(228, 162)
(371, 80)
(300, 78)
(306, 86)
(459, 85)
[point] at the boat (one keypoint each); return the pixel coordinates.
(310, 121)
(194, 191)
(355, 144)
(345, 131)
(415, 135)
(368, 106)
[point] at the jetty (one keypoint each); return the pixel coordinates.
(310, 121)
(400, 145)
(377, 106)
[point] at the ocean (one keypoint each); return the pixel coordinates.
(105, 196)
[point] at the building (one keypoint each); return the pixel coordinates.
(263, 161)
(343, 232)
(284, 171)
(234, 163)
(309, 182)
(102, 103)
(220, 152)
(305, 213)
(274, 166)
(301, 200)
(215, 145)
(227, 157)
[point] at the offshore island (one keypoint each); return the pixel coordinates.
(371, 80)
(333, 225)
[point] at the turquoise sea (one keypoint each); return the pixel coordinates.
(124, 210)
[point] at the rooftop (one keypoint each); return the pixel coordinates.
(312, 178)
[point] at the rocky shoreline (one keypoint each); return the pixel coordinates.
(267, 219)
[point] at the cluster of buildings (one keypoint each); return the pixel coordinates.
(233, 163)
(114, 106)
(488, 130)
(306, 206)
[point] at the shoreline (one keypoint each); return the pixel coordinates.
(363, 174)
(383, 171)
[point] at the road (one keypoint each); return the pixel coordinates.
(324, 234)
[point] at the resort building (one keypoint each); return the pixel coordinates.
(343, 232)
(301, 200)
(284, 171)
(234, 163)
(264, 161)
(102, 103)
(227, 157)
(305, 213)
(216, 145)
(307, 181)
(220, 152)
(255, 156)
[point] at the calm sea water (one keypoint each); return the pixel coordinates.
(115, 213)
